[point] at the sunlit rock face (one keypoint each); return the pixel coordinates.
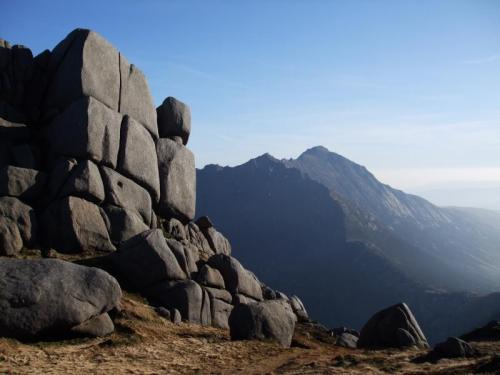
(90, 168)
(79, 123)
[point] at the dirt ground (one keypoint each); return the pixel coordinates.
(145, 343)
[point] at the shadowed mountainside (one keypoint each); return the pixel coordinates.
(437, 246)
(304, 238)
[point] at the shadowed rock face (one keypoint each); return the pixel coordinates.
(146, 259)
(453, 347)
(263, 320)
(23, 183)
(236, 279)
(394, 327)
(23, 217)
(74, 225)
(489, 332)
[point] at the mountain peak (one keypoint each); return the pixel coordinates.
(317, 150)
(265, 158)
(324, 154)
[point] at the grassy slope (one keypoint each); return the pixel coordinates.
(147, 344)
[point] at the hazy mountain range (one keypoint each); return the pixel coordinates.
(466, 196)
(439, 246)
(325, 228)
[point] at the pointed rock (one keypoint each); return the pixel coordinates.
(393, 327)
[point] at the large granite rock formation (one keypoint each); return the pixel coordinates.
(89, 166)
(79, 122)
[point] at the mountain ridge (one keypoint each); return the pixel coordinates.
(421, 224)
(378, 213)
(392, 266)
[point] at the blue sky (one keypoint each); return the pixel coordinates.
(410, 89)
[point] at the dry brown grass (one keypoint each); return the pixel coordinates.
(145, 343)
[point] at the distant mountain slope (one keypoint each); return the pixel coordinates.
(486, 218)
(279, 233)
(287, 229)
(304, 238)
(443, 247)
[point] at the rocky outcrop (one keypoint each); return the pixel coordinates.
(453, 347)
(298, 308)
(100, 325)
(23, 183)
(23, 216)
(489, 332)
(394, 327)
(211, 277)
(89, 166)
(123, 192)
(347, 340)
(81, 125)
(123, 223)
(218, 243)
(272, 320)
(173, 274)
(237, 279)
(138, 156)
(84, 64)
(11, 242)
(186, 296)
(187, 256)
(86, 129)
(51, 297)
(84, 181)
